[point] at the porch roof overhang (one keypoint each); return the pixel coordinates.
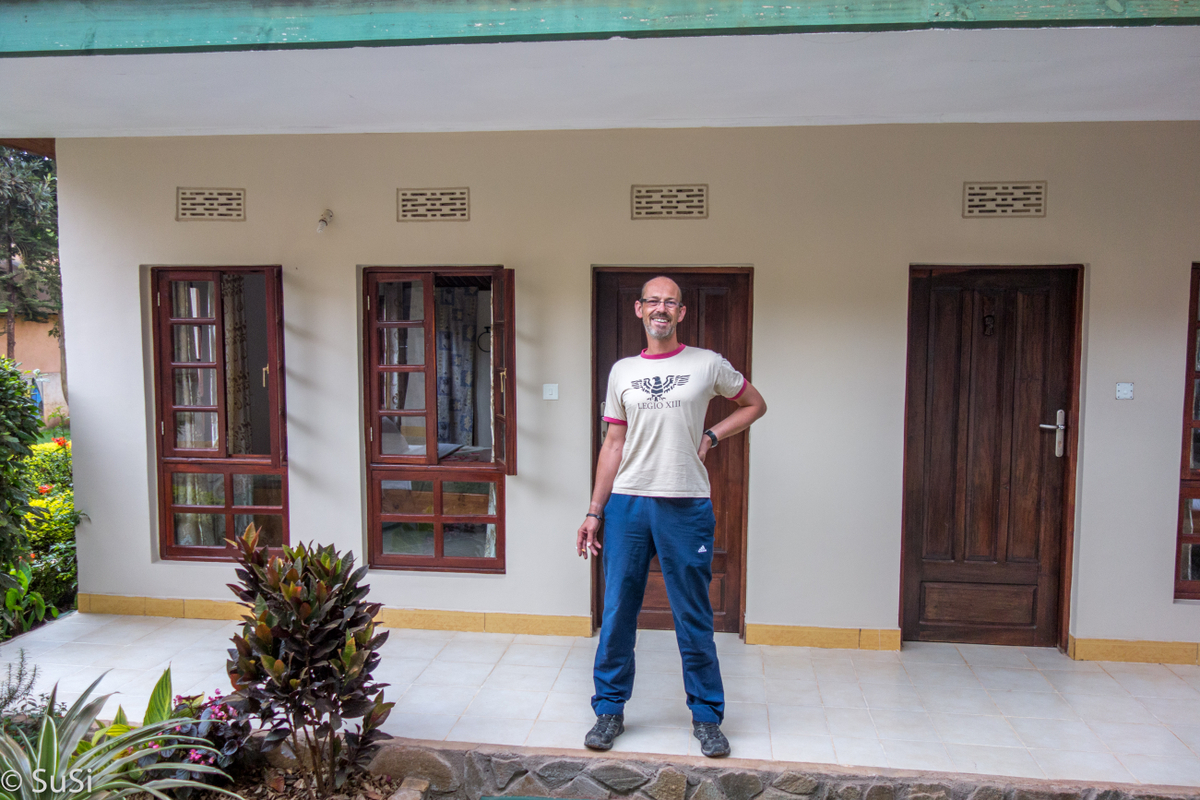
(74, 27)
(141, 68)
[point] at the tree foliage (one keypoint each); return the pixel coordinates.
(30, 284)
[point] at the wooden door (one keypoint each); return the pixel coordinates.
(990, 361)
(718, 318)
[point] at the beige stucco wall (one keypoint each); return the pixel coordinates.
(830, 218)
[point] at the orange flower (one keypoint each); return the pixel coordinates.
(60, 441)
(44, 488)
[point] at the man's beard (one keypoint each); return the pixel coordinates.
(655, 333)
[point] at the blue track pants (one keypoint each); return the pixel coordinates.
(680, 531)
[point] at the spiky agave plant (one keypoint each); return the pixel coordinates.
(45, 770)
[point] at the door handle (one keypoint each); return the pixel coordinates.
(1060, 432)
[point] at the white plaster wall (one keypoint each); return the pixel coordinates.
(831, 219)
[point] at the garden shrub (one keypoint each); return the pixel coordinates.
(19, 426)
(55, 575)
(51, 528)
(49, 465)
(303, 662)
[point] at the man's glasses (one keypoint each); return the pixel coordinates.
(651, 302)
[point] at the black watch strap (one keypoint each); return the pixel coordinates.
(712, 437)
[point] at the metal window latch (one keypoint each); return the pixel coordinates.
(1060, 432)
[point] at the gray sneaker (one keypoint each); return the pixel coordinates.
(712, 742)
(607, 728)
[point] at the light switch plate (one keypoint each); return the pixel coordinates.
(1124, 391)
(549, 391)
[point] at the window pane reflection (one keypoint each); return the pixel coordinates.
(1189, 564)
(258, 490)
(247, 403)
(195, 343)
(407, 497)
(196, 430)
(195, 387)
(198, 489)
(200, 530)
(269, 526)
(192, 300)
(403, 391)
(461, 498)
(400, 301)
(469, 540)
(402, 436)
(408, 538)
(399, 346)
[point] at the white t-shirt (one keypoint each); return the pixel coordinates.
(663, 400)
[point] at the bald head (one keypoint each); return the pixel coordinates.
(663, 287)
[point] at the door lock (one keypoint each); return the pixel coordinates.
(1060, 432)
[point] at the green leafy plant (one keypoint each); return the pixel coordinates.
(157, 710)
(44, 769)
(303, 662)
(23, 607)
(19, 424)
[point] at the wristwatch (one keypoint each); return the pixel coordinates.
(712, 437)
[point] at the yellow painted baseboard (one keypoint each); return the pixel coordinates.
(1133, 650)
(842, 638)
(388, 617)
(535, 624)
(160, 607)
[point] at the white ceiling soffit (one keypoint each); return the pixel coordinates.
(1018, 75)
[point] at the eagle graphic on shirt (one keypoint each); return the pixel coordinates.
(657, 387)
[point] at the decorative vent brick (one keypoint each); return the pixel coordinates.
(670, 202)
(228, 205)
(433, 205)
(1011, 199)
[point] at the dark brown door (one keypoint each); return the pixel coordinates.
(718, 318)
(990, 357)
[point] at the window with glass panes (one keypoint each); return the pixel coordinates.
(219, 395)
(440, 416)
(1187, 551)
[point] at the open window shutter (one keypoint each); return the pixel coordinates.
(504, 377)
(275, 377)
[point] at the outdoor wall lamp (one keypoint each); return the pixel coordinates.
(323, 222)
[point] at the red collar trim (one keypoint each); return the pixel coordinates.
(674, 352)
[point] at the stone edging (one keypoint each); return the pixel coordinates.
(470, 772)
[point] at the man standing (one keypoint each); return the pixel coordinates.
(652, 492)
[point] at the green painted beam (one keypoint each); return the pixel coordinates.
(73, 27)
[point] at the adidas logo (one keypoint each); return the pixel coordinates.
(702, 549)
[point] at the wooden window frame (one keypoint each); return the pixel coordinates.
(1189, 479)
(172, 459)
(426, 467)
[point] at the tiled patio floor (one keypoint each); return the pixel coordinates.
(1022, 712)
